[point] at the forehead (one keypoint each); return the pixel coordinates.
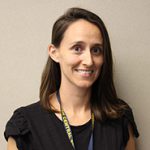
(81, 30)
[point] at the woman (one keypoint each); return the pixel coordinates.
(79, 108)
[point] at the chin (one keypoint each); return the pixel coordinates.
(85, 85)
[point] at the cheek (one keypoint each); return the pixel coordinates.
(73, 60)
(99, 63)
(69, 61)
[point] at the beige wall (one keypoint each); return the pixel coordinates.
(25, 27)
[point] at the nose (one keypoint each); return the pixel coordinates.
(87, 59)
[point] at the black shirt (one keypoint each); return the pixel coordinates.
(35, 128)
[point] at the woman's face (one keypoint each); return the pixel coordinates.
(80, 54)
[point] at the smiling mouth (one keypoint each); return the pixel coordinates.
(85, 71)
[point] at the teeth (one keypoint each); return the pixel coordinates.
(85, 71)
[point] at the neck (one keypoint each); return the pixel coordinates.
(75, 100)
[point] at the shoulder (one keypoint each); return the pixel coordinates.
(33, 114)
(20, 121)
(119, 127)
(127, 113)
(31, 107)
(22, 112)
(127, 120)
(29, 121)
(30, 110)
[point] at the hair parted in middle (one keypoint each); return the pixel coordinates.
(104, 101)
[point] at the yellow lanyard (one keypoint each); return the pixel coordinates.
(67, 126)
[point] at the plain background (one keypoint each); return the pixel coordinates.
(25, 31)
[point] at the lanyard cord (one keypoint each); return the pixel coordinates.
(67, 126)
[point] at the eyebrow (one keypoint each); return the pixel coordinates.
(81, 42)
(77, 42)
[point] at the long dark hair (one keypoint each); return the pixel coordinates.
(104, 101)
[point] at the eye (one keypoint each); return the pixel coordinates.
(77, 49)
(97, 50)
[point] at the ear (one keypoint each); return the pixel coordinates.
(53, 52)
